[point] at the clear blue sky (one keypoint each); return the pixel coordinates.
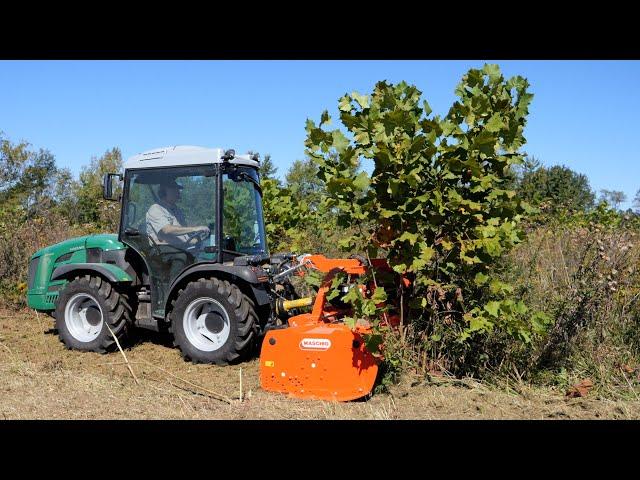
(585, 114)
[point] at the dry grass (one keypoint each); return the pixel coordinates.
(42, 380)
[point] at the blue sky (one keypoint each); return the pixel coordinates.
(584, 113)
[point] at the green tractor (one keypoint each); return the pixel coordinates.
(190, 258)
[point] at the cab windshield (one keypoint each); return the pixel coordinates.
(243, 227)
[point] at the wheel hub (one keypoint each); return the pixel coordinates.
(83, 317)
(214, 322)
(206, 324)
(93, 315)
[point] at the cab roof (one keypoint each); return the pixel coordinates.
(182, 155)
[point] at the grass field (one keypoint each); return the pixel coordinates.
(40, 379)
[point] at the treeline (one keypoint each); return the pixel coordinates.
(32, 185)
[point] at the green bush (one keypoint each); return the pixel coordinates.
(435, 202)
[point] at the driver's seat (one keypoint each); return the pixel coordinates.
(166, 259)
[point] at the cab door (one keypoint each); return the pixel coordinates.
(197, 208)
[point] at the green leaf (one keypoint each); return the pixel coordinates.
(362, 138)
(313, 278)
(352, 296)
(361, 182)
(426, 252)
(446, 244)
(346, 243)
(411, 237)
(400, 268)
(481, 278)
(520, 308)
(363, 100)
(349, 322)
(448, 127)
(325, 119)
(379, 295)
(478, 324)
(427, 108)
(340, 142)
(369, 308)
(345, 104)
(492, 308)
(485, 142)
(493, 70)
(495, 123)
(373, 342)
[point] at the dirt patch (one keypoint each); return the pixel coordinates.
(40, 379)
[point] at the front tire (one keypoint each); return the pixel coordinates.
(84, 309)
(212, 321)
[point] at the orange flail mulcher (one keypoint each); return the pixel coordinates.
(315, 355)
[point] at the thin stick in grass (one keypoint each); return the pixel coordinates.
(215, 395)
(630, 386)
(44, 342)
(122, 352)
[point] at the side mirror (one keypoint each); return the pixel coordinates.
(107, 186)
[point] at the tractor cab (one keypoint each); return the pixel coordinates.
(189, 205)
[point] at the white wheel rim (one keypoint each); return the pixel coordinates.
(83, 317)
(206, 324)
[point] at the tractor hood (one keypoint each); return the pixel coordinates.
(102, 241)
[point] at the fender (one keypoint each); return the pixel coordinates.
(254, 276)
(112, 273)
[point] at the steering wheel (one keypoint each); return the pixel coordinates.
(199, 237)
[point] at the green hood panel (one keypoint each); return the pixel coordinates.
(108, 241)
(70, 254)
(105, 241)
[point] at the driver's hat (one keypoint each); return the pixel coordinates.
(172, 184)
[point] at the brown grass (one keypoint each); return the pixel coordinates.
(40, 379)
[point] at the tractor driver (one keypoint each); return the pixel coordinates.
(165, 221)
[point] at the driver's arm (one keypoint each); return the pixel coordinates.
(164, 223)
(176, 230)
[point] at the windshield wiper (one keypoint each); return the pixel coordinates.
(246, 176)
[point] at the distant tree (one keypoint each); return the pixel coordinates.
(26, 176)
(92, 208)
(36, 184)
(64, 194)
(302, 179)
(636, 202)
(267, 168)
(13, 158)
(558, 187)
(613, 197)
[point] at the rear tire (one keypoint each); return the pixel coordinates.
(212, 321)
(84, 309)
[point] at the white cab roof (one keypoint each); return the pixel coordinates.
(183, 155)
